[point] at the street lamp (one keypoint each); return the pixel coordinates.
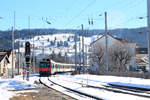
(48, 22)
(106, 41)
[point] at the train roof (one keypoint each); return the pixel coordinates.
(65, 64)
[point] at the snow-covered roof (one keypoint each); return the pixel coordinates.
(119, 39)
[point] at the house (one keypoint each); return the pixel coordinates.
(112, 41)
(3, 63)
(6, 62)
(141, 50)
(141, 59)
(141, 62)
(114, 44)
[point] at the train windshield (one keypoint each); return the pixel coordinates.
(44, 64)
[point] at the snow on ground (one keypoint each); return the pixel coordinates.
(128, 81)
(43, 45)
(62, 90)
(101, 81)
(7, 86)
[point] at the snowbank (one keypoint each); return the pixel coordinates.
(8, 85)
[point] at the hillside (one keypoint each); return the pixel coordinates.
(137, 35)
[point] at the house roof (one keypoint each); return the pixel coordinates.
(119, 39)
(122, 40)
(8, 52)
(2, 55)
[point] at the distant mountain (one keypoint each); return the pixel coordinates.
(138, 35)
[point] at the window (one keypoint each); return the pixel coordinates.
(44, 64)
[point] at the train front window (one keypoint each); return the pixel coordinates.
(44, 64)
(48, 65)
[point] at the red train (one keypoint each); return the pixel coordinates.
(44, 68)
(47, 68)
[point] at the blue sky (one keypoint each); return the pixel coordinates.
(70, 14)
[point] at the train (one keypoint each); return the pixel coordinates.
(50, 67)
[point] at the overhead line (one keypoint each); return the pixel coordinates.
(128, 5)
(131, 19)
(70, 21)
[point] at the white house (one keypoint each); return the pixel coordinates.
(113, 42)
(6, 62)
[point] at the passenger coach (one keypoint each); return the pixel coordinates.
(47, 68)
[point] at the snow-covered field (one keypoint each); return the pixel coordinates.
(7, 86)
(71, 81)
(43, 45)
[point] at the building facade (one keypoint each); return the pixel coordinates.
(115, 46)
(6, 62)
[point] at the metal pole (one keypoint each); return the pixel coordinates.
(18, 51)
(76, 52)
(82, 45)
(106, 34)
(148, 26)
(33, 58)
(65, 57)
(43, 48)
(24, 70)
(12, 52)
(27, 66)
(33, 62)
(80, 53)
(86, 48)
(13, 31)
(29, 27)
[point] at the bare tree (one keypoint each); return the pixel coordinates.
(97, 56)
(120, 56)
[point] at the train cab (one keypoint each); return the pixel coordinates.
(45, 68)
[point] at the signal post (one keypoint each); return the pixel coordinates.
(27, 58)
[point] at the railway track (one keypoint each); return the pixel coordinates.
(81, 95)
(121, 89)
(118, 89)
(134, 92)
(86, 96)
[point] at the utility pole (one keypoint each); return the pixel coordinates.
(75, 38)
(12, 52)
(13, 31)
(66, 57)
(106, 38)
(29, 27)
(33, 58)
(82, 45)
(80, 52)
(86, 48)
(148, 26)
(43, 48)
(18, 51)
